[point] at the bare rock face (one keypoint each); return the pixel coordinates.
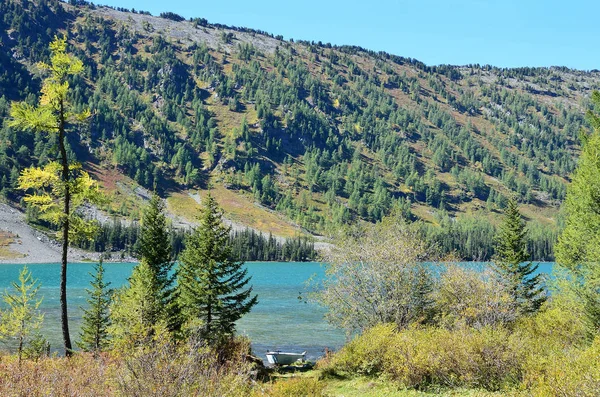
(34, 246)
(186, 32)
(159, 102)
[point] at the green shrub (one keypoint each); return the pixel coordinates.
(547, 354)
(364, 355)
(550, 336)
(555, 324)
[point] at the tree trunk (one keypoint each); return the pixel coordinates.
(20, 351)
(208, 318)
(65, 244)
(97, 336)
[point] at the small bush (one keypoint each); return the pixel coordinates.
(548, 354)
(561, 326)
(365, 355)
(166, 369)
(471, 297)
(463, 357)
(81, 375)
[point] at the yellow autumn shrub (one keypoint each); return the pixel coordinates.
(421, 357)
(574, 373)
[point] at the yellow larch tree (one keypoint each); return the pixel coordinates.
(59, 187)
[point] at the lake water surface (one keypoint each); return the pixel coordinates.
(279, 321)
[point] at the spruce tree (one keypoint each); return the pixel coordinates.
(148, 303)
(155, 247)
(155, 251)
(512, 264)
(213, 292)
(96, 319)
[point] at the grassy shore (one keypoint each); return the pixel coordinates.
(312, 383)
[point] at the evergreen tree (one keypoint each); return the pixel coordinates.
(579, 242)
(212, 286)
(96, 319)
(154, 241)
(155, 251)
(512, 264)
(578, 247)
(22, 321)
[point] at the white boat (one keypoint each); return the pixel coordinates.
(284, 358)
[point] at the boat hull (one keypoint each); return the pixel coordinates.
(282, 358)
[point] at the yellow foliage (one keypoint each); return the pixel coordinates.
(62, 63)
(53, 101)
(547, 354)
(53, 93)
(159, 369)
(472, 297)
(50, 185)
(49, 192)
(419, 357)
(572, 373)
(31, 118)
(40, 178)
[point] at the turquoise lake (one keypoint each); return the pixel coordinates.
(279, 321)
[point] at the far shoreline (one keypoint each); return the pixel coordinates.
(127, 260)
(40, 261)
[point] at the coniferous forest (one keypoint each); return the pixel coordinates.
(315, 135)
(247, 244)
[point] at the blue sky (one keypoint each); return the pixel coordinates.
(505, 33)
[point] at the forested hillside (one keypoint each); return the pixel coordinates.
(317, 135)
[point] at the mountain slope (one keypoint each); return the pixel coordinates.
(293, 136)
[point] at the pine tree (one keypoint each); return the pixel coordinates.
(512, 264)
(212, 286)
(22, 321)
(96, 319)
(155, 250)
